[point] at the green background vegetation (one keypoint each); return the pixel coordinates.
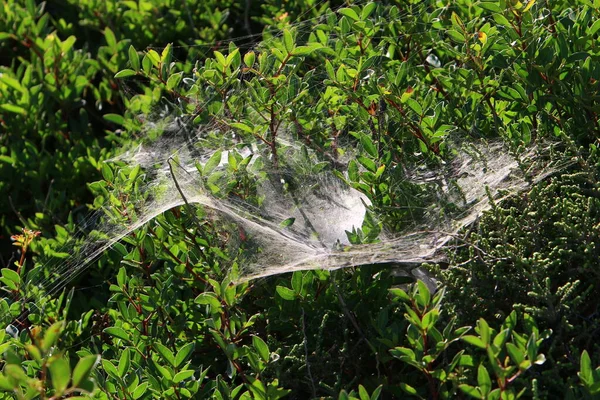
(518, 316)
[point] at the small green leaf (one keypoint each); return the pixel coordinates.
(471, 391)
(139, 390)
(114, 118)
(483, 380)
(166, 354)
(174, 80)
(288, 41)
(146, 64)
(286, 293)
(308, 49)
(13, 109)
(124, 363)
(52, 335)
(368, 145)
(242, 126)
(117, 332)
(184, 353)
(484, 330)
(350, 13)
(220, 58)
(111, 40)
(124, 73)
(516, 354)
(134, 58)
(261, 347)
(60, 372)
(585, 368)
(183, 375)
(12, 275)
(166, 55)
(399, 294)
(153, 57)
(209, 298)
(110, 369)
(474, 340)
(212, 163)
(423, 294)
(367, 10)
(594, 28)
(287, 222)
(249, 59)
(84, 368)
(362, 393)
(408, 389)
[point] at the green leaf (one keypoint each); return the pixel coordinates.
(483, 380)
(212, 163)
(287, 222)
(516, 354)
(408, 389)
(500, 338)
(60, 372)
(51, 335)
(184, 353)
(249, 59)
(11, 275)
(166, 55)
(368, 145)
(297, 278)
(174, 80)
(153, 57)
(110, 369)
(350, 13)
(308, 49)
(471, 391)
(166, 354)
(493, 7)
(84, 368)
(423, 294)
(484, 330)
(330, 70)
(286, 293)
(220, 58)
(362, 393)
(124, 73)
(594, 28)
(117, 332)
(13, 109)
(183, 375)
(111, 40)
(242, 126)
(399, 294)
(209, 298)
(261, 348)
(367, 163)
(166, 372)
(288, 41)
(124, 363)
(114, 118)
(585, 368)
(139, 390)
(134, 58)
(474, 340)
(146, 64)
(367, 10)
(12, 82)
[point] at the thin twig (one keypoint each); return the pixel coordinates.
(312, 382)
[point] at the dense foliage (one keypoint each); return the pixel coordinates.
(398, 82)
